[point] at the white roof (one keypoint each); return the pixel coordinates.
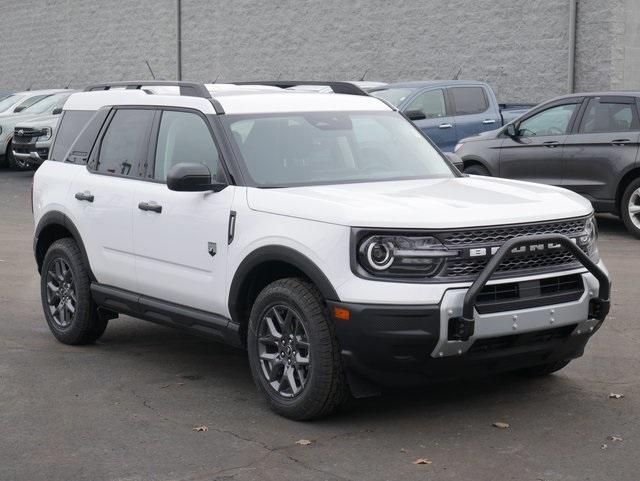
(235, 99)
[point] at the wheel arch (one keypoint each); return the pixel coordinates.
(265, 265)
(52, 226)
(624, 182)
(473, 160)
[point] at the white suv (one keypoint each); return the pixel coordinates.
(322, 232)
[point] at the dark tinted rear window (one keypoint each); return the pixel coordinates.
(468, 100)
(71, 124)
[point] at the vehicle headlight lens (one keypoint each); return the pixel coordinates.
(588, 240)
(402, 255)
(457, 147)
(46, 134)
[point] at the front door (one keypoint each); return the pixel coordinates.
(603, 148)
(181, 243)
(101, 197)
(437, 125)
(535, 154)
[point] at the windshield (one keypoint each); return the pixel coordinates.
(8, 102)
(48, 104)
(296, 149)
(395, 96)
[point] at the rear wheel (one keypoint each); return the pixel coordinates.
(544, 369)
(293, 351)
(476, 169)
(66, 297)
(630, 207)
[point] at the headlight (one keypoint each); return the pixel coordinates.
(402, 255)
(46, 134)
(457, 147)
(588, 240)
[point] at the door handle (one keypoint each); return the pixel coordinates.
(488, 121)
(445, 126)
(620, 141)
(86, 195)
(150, 206)
(551, 143)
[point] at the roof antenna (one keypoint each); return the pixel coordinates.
(364, 75)
(457, 75)
(29, 87)
(279, 75)
(150, 70)
(216, 80)
(68, 84)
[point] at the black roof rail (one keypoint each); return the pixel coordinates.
(187, 89)
(337, 87)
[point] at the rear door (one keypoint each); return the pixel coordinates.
(472, 110)
(101, 196)
(181, 245)
(603, 147)
(535, 154)
(437, 124)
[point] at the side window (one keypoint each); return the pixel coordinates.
(430, 103)
(125, 142)
(553, 121)
(468, 100)
(609, 117)
(71, 124)
(184, 137)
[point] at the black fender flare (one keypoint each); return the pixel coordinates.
(52, 218)
(277, 253)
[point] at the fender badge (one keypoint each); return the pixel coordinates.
(212, 248)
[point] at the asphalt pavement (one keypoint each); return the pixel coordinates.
(126, 407)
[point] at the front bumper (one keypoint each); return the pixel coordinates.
(33, 152)
(395, 346)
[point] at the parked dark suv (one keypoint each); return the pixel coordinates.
(587, 143)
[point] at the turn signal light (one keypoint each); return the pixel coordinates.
(341, 313)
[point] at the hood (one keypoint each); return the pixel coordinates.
(10, 121)
(40, 122)
(471, 201)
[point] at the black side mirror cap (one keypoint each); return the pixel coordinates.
(18, 109)
(57, 111)
(415, 115)
(192, 177)
(455, 160)
(511, 130)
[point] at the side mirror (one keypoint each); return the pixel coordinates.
(415, 115)
(455, 160)
(191, 177)
(57, 111)
(18, 109)
(511, 131)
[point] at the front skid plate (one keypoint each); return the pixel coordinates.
(514, 322)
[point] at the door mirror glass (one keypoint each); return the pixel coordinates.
(191, 177)
(415, 115)
(57, 111)
(511, 131)
(455, 160)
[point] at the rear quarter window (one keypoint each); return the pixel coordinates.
(71, 124)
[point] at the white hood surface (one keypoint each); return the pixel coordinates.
(428, 203)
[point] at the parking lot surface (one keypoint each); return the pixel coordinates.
(126, 407)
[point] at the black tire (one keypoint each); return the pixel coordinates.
(544, 369)
(83, 325)
(630, 196)
(325, 388)
(476, 169)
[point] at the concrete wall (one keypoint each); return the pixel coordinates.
(519, 46)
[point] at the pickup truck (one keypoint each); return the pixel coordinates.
(449, 110)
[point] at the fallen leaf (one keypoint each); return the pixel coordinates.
(604, 446)
(613, 395)
(422, 461)
(201, 429)
(402, 450)
(501, 425)
(304, 442)
(614, 438)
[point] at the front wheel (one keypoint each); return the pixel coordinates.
(630, 207)
(13, 162)
(293, 351)
(476, 169)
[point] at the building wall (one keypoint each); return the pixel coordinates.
(519, 46)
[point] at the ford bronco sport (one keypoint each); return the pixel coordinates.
(322, 232)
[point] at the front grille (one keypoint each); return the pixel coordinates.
(498, 235)
(459, 269)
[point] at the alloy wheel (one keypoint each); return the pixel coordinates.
(61, 293)
(283, 350)
(634, 208)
